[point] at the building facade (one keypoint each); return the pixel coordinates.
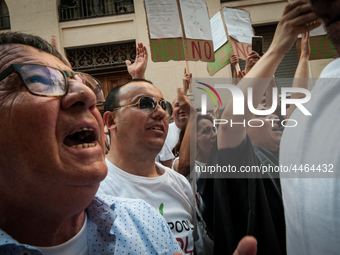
(98, 36)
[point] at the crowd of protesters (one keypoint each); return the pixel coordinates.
(141, 185)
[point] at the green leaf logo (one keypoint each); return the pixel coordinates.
(161, 208)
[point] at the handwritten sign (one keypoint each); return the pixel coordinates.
(222, 55)
(163, 19)
(173, 49)
(179, 30)
(217, 29)
(232, 33)
(321, 47)
(195, 19)
(238, 24)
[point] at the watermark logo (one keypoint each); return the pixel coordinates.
(204, 96)
(242, 100)
(238, 99)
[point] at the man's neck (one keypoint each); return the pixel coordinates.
(140, 166)
(178, 124)
(36, 231)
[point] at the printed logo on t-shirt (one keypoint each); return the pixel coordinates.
(161, 208)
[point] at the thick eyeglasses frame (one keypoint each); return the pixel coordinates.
(17, 68)
(156, 100)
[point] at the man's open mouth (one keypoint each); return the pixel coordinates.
(83, 138)
(156, 127)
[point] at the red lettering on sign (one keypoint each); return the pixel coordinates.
(198, 49)
(243, 51)
(249, 49)
(207, 51)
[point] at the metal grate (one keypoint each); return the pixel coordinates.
(101, 57)
(83, 9)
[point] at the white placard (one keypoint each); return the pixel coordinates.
(195, 19)
(238, 24)
(163, 19)
(217, 30)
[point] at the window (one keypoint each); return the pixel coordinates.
(4, 16)
(83, 9)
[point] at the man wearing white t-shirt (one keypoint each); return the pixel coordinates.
(180, 117)
(137, 117)
(311, 198)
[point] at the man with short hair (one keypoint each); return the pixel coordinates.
(311, 189)
(137, 71)
(179, 116)
(137, 116)
(52, 161)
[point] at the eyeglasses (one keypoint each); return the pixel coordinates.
(48, 81)
(147, 105)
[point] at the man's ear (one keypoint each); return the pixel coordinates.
(110, 120)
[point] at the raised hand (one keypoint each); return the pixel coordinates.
(184, 101)
(186, 81)
(305, 45)
(137, 69)
(234, 60)
(54, 42)
(297, 18)
(241, 74)
(251, 60)
(216, 108)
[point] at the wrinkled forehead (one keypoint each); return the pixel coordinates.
(134, 90)
(18, 53)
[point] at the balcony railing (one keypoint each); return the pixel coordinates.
(83, 9)
(4, 22)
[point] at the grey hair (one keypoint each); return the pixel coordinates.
(33, 41)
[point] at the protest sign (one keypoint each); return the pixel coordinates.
(238, 24)
(233, 38)
(321, 46)
(223, 54)
(179, 30)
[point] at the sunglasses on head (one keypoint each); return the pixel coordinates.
(147, 105)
